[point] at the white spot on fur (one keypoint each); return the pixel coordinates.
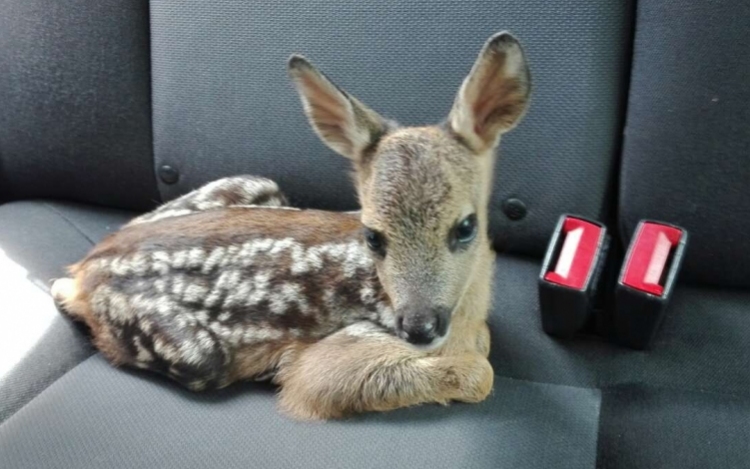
(179, 259)
(213, 298)
(202, 317)
(119, 307)
(213, 259)
(182, 322)
(160, 262)
(194, 293)
(229, 279)
(251, 249)
(160, 285)
(287, 294)
(119, 267)
(305, 260)
(143, 355)
(226, 333)
(139, 264)
(99, 299)
(196, 258)
(293, 294)
(166, 307)
(236, 335)
(355, 259)
(281, 245)
(146, 325)
(367, 294)
(204, 339)
(230, 256)
(224, 317)
(165, 350)
(190, 352)
(226, 282)
(261, 282)
(178, 285)
(160, 256)
(239, 295)
(277, 305)
(255, 334)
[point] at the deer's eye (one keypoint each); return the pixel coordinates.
(466, 230)
(375, 241)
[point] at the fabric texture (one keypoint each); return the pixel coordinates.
(691, 388)
(76, 124)
(687, 142)
(642, 428)
(79, 422)
(75, 110)
(223, 103)
(37, 345)
(701, 346)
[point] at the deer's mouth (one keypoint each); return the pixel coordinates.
(436, 343)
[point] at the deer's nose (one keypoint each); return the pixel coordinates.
(419, 329)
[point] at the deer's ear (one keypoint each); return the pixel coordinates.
(341, 121)
(493, 98)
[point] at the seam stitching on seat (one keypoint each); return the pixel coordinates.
(68, 221)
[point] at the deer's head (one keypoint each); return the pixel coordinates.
(424, 191)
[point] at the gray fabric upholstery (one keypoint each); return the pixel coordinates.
(37, 239)
(687, 142)
(546, 409)
(665, 428)
(702, 344)
(45, 236)
(77, 124)
(97, 416)
(75, 111)
(223, 103)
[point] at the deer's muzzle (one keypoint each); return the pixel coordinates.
(422, 325)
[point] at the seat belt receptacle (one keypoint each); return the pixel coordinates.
(646, 281)
(570, 275)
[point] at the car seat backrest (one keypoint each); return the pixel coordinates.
(687, 141)
(75, 110)
(223, 103)
(76, 120)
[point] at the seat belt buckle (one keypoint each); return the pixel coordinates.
(647, 278)
(571, 271)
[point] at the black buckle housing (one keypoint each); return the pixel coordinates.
(646, 280)
(570, 276)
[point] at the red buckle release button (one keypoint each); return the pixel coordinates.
(577, 254)
(649, 256)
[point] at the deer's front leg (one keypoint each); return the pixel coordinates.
(226, 192)
(361, 369)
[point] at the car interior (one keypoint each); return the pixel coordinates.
(639, 113)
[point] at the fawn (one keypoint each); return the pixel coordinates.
(346, 312)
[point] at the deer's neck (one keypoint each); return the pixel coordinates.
(469, 322)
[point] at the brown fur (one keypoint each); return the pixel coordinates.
(342, 375)
(415, 185)
(75, 303)
(220, 227)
